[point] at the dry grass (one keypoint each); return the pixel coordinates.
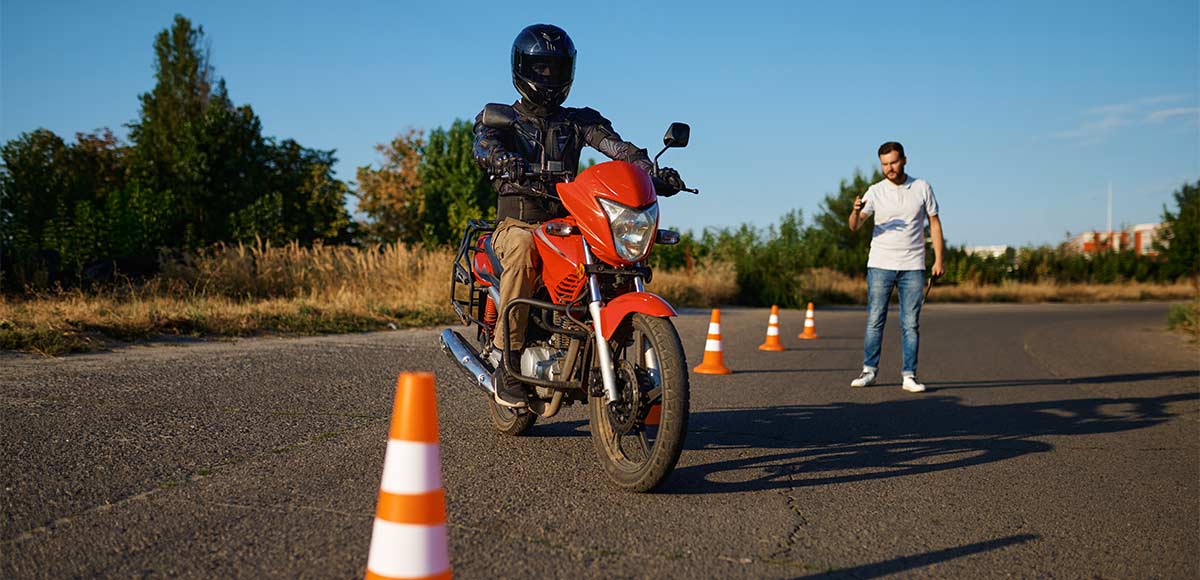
(241, 291)
(1030, 293)
(246, 290)
(706, 286)
(824, 286)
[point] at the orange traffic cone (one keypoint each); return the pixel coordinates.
(772, 343)
(714, 360)
(810, 328)
(409, 538)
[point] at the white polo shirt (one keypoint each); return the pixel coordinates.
(898, 241)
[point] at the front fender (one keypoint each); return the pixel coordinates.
(614, 312)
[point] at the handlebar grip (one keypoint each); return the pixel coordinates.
(691, 190)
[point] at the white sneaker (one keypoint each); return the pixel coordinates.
(912, 385)
(866, 379)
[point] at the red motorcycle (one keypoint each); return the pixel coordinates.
(595, 335)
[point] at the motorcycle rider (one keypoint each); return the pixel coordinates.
(546, 138)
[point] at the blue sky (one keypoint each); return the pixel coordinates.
(1019, 113)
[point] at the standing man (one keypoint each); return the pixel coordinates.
(901, 204)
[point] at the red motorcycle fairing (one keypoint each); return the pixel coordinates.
(614, 312)
(616, 181)
(562, 262)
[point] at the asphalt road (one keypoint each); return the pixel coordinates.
(1055, 441)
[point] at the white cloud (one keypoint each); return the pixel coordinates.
(1101, 122)
(1162, 99)
(1164, 114)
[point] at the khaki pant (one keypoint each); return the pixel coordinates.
(513, 243)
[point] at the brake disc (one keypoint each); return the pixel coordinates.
(623, 415)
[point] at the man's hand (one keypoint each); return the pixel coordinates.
(511, 166)
(671, 178)
(855, 220)
(939, 246)
(938, 269)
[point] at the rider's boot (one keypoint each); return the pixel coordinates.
(510, 392)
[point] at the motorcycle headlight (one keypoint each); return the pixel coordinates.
(632, 229)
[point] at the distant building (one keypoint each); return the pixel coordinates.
(1139, 239)
(988, 251)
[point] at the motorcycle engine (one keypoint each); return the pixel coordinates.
(542, 362)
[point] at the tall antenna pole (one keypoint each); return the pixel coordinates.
(1109, 230)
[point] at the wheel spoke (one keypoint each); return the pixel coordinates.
(643, 443)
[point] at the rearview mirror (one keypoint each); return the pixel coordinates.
(677, 135)
(499, 116)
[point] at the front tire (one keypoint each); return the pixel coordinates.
(636, 453)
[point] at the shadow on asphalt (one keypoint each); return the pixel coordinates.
(1099, 380)
(850, 442)
(771, 371)
(901, 564)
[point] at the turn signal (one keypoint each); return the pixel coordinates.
(559, 229)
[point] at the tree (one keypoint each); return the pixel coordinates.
(389, 195)
(1179, 243)
(181, 94)
(454, 189)
(834, 244)
(426, 191)
(229, 182)
(34, 185)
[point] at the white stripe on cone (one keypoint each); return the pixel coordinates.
(773, 319)
(808, 323)
(772, 331)
(712, 345)
(714, 328)
(411, 467)
(407, 551)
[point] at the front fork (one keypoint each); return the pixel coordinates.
(608, 372)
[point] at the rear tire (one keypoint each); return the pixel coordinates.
(509, 421)
(512, 422)
(653, 449)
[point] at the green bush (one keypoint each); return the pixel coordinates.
(1185, 318)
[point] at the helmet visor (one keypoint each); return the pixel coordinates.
(545, 70)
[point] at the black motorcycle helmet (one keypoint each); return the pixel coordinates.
(543, 64)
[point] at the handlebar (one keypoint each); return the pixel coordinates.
(550, 177)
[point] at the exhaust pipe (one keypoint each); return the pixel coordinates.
(467, 358)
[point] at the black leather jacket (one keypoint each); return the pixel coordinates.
(561, 133)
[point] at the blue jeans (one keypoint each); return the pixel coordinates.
(879, 290)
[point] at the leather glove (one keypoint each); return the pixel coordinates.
(510, 166)
(671, 178)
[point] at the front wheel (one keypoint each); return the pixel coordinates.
(640, 438)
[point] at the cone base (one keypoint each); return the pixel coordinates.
(712, 370)
(807, 337)
(772, 347)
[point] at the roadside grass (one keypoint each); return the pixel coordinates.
(247, 290)
(825, 286)
(240, 291)
(1185, 318)
(710, 285)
